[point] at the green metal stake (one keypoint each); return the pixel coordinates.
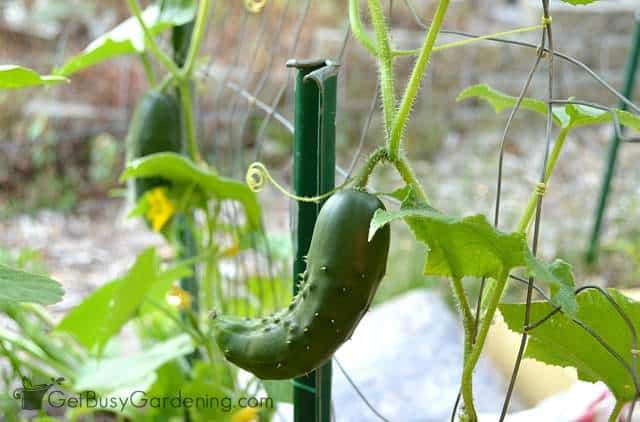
(313, 174)
(632, 68)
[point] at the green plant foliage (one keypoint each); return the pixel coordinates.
(471, 247)
(16, 77)
(107, 375)
(128, 37)
(214, 380)
(20, 286)
(579, 2)
(103, 313)
(181, 170)
(281, 391)
(567, 116)
(560, 341)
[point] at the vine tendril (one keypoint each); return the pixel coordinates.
(257, 177)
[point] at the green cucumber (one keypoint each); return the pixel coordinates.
(154, 127)
(343, 272)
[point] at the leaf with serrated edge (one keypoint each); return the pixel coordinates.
(471, 247)
(560, 341)
(179, 169)
(501, 101)
(570, 115)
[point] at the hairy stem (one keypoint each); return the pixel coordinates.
(408, 175)
(358, 29)
(362, 178)
(413, 86)
(476, 351)
(385, 62)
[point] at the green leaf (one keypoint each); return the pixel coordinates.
(472, 247)
(107, 375)
(501, 101)
(128, 37)
(16, 77)
(103, 313)
(458, 247)
(560, 278)
(179, 169)
(581, 115)
(281, 391)
(20, 286)
(177, 12)
(571, 115)
(560, 341)
(213, 380)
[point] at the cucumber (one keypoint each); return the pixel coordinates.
(154, 127)
(343, 272)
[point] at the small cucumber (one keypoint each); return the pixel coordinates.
(343, 272)
(154, 127)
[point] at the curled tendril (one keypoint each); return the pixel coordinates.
(257, 177)
(255, 6)
(541, 189)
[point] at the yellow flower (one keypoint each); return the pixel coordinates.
(248, 414)
(161, 209)
(178, 297)
(232, 250)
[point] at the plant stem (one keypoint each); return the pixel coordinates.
(533, 199)
(476, 350)
(357, 28)
(467, 316)
(385, 61)
(411, 91)
(362, 178)
(615, 414)
(148, 70)
(184, 86)
(150, 42)
(196, 38)
(408, 175)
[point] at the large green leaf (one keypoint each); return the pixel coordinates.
(570, 115)
(16, 77)
(20, 286)
(107, 375)
(103, 313)
(471, 247)
(179, 169)
(560, 341)
(128, 37)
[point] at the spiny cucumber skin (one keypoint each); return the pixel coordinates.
(155, 127)
(342, 276)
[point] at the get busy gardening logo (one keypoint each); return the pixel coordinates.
(37, 397)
